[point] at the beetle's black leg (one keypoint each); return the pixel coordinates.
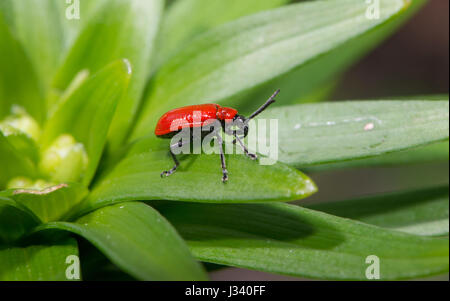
(230, 132)
(174, 168)
(175, 160)
(222, 159)
(244, 148)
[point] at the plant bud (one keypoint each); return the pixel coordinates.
(65, 160)
(21, 121)
(27, 183)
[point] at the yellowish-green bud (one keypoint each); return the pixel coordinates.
(21, 121)
(65, 160)
(26, 183)
(19, 182)
(8, 130)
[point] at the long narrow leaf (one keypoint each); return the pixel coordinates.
(138, 240)
(436, 152)
(287, 239)
(50, 204)
(137, 177)
(12, 163)
(15, 220)
(87, 113)
(423, 212)
(315, 79)
(37, 262)
(119, 29)
(187, 19)
(312, 134)
(251, 51)
(19, 84)
(46, 29)
(22, 143)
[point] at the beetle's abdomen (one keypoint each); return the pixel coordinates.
(177, 119)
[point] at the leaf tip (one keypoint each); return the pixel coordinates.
(303, 187)
(308, 188)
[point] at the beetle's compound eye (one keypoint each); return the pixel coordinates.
(245, 130)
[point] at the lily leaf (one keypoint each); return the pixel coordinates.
(436, 152)
(422, 212)
(95, 265)
(54, 27)
(119, 29)
(137, 177)
(21, 142)
(238, 56)
(287, 239)
(311, 134)
(88, 111)
(52, 203)
(314, 80)
(13, 163)
(37, 262)
(187, 19)
(15, 221)
(19, 84)
(137, 239)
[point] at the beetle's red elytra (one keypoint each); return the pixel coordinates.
(184, 117)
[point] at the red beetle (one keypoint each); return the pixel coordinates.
(228, 117)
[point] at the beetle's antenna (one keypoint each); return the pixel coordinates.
(270, 101)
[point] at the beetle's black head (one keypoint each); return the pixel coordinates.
(239, 126)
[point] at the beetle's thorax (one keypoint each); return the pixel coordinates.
(225, 113)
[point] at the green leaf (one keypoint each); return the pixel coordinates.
(231, 59)
(287, 239)
(199, 179)
(138, 240)
(184, 20)
(44, 30)
(15, 221)
(119, 29)
(303, 83)
(95, 265)
(13, 163)
(21, 142)
(422, 212)
(18, 82)
(52, 203)
(322, 93)
(436, 152)
(329, 132)
(36, 262)
(88, 111)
